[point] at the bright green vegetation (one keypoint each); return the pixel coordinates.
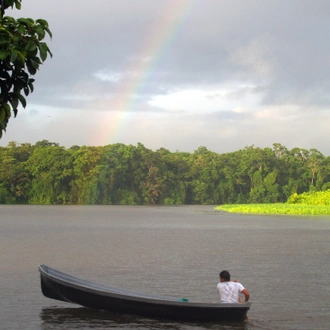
(47, 173)
(277, 208)
(311, 198)
(307, 203)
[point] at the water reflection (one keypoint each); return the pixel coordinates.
(85, 318)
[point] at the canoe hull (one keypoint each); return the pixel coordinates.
(90, 295)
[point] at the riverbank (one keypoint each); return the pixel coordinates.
(276, 208)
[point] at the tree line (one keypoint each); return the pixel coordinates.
(47, 173)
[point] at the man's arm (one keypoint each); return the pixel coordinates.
(246, 294)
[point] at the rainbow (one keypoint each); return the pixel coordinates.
(151, 53)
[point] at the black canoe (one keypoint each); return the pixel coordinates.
(64, 287)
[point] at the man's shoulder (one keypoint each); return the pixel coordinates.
(230, 283)
(234, 284)
(238, 284)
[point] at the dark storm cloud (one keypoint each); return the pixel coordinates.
(278, 43)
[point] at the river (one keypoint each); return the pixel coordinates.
(171, 251)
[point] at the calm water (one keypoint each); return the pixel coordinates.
(172, 251)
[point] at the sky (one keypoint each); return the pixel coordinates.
(180, 74)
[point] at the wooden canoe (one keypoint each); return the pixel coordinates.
(64, 287)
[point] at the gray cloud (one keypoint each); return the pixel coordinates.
(264, 65)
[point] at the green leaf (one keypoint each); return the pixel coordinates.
(32, 70)
(18, 4)
(7, 109)
(2, 114)
(26, 91)
(14, 102)
(18, 85)
(50, 53)
(42, 22)
(28, 22)
(35, 62)
(30, 83)
(4, 33)
(31, 46)
(21, 29)
(21, 57)
(3, 54)
(8, 20)
(33, 53)
(13, 56)
(22, 100)
(49, 32)
(39, 30)
(43, 51)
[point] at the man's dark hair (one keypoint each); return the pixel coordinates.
(225, 275)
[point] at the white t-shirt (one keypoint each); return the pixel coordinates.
(229, 291)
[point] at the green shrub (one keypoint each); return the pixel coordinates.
(311, 198)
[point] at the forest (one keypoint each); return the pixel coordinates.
(47, 173)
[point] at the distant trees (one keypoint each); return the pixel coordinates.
(47, 173)
(14, 176)
(51, 172)
(22, 51)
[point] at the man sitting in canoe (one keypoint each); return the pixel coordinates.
(230, 291)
